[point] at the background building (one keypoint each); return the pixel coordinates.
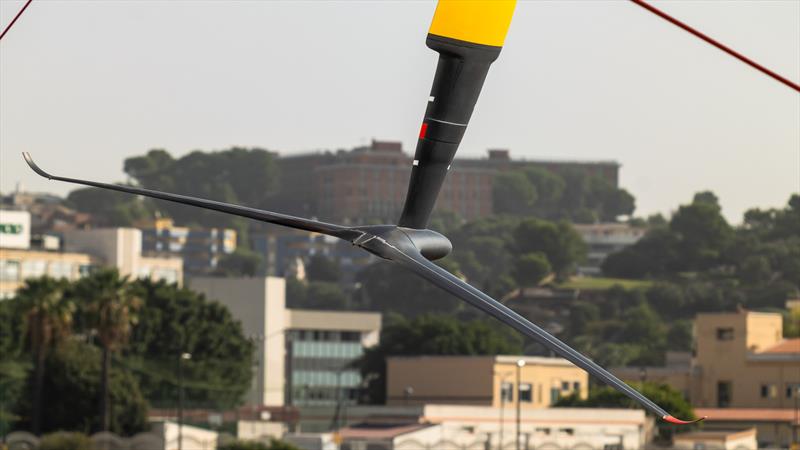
(200, 248)
(303, 356)
(744, 374)
(122, 248)
(368, 184)
(482, 380)
(603, 239)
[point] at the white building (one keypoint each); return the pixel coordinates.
(603, 239)
(460, 426)
(122, 248)
(303, 356)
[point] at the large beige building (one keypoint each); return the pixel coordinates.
(744, 373)
(482, 380)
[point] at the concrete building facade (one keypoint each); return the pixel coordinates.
(303, 356)
(122, 248)
(200, 248)
(744, 373)
(482, 381)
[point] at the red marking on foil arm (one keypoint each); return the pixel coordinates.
(671, 419)
(423, 130)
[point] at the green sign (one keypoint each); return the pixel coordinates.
(10, 228)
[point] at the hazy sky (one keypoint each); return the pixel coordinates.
(84, 84)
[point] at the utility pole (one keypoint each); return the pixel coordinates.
(503, 376)
(520, 365)
(184, 356)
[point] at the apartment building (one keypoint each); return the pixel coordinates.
(200, 248)
(744, 373)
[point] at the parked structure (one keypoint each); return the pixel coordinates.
(303, 356)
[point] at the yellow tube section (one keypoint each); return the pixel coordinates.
(483, 22)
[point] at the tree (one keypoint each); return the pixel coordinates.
(48, 319)
(560, 242)
(111, 208)
(174, 320)
(72, 389)
(316, 295)
(322, 268)
(241, 263)
(432, 335)
(111, 306)
(512, 193)
(702, 231)
(236, 175)
(531, 268)
(606, 397)
(274, 444)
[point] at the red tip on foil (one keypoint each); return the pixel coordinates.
(671, 419)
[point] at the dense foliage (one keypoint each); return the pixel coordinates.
(571, 195)
(662, 394)
(55, 355)
(707, 265)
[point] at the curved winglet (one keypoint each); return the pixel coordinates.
(243, 211)
(35, 168)
(671, 419)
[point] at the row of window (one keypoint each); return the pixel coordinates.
(325, 378)
(343, 350)
(525, 391)
(767, 390)
(770, 390)
(324, 335)
(13, 270)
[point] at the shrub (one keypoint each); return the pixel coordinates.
(63, 440)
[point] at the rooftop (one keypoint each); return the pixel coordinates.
(785, 346)
(748, 415)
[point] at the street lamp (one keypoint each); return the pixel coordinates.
(184, 356)
(503, 376)
(520, 365)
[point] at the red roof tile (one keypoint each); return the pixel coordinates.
(785, 346)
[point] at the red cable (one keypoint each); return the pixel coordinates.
(15, 18)
(717, 44)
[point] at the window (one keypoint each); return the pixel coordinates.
(725, 334)
(555, 394)
(9, 270)
(525, 392)
(576, 386)
(724, 391)
(34, 268)
(506, 392)
(565, 385)
(769, 391)
(792, 389)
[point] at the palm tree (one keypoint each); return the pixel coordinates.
(111, 306)
(48, 320)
